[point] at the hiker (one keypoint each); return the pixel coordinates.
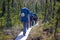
(35, 18)
(24, 17)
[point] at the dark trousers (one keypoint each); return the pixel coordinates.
(31, 23)
(25, 24)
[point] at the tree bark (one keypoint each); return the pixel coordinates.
(12, 3)
(3, 8)
(8, 15)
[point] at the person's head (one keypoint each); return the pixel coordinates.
(25, 10)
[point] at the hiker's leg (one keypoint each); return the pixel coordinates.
(24, 28)
(32, 22)
(27, 25)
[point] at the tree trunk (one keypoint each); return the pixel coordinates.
(8, 16)
(53, 8)
(36, 7)
(3, 8)
(12, 3)
(45, 11)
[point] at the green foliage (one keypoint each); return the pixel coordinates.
(40, 16)
(5, 37)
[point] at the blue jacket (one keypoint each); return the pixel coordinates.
(24, 12)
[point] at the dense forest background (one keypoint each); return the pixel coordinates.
(47, 10)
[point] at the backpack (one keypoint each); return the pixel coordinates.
(35, 17)
(24, 14)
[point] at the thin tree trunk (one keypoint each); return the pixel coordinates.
(3, 11)
(53, 8)
(56, 26)
(3, 8)
(8, 15)
(36, 7)
(12, 3)
(45, 11)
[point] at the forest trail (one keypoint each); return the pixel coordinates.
(21, 37)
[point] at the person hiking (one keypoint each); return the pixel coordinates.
(24, 17)
(35, 18)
